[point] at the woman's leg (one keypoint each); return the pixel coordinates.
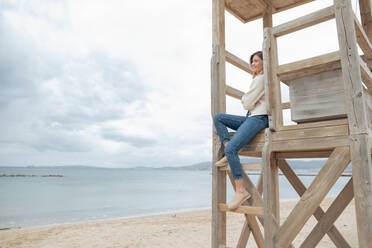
(244, 134)
(224, 121)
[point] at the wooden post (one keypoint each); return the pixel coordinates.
(218, 105)
(270, 192)
(358, 125)
(366, 17)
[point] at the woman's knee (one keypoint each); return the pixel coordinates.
(230, 149)
(217, 117)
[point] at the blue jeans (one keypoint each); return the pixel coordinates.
(247, 127)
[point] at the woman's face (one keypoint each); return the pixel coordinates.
(257, 64)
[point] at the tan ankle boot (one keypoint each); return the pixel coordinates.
(222, 162)
(238, 199)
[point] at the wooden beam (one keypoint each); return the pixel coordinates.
(304, 154)
(300, 188)
(311, 199)
(362, 38)
(256, 211)
(366, 16)
(327, 123)
(286, 105)
(218, 84)
(326, 221)
(312, 144)
(366, 75)
(272, 82)
(314, 65)
(330, 131)
(245, 166)
(230, 91)
(270, 191)
(358, 125)
(238, 62)
(256, 231)
(304, 21)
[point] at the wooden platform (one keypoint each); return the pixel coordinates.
(312, 140)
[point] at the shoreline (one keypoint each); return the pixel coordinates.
(173, 229)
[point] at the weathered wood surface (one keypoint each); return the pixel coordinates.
(317, 97)
(314, 132)
(366, 75)
(313, 196)
(218, 105)
(357, 116)
(256, 211)
(368, 105)
(238, 62)
(235, 93)
(272, 82)
(245, 166)
(366, 16)
(326, 221)
(270, 191)
(310, 66)
(362, 38)
(250, 10)
(304, 21)
(300, 188)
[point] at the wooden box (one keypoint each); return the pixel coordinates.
(317, 97)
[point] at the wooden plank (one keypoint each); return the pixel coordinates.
(317, 97)
(362, 38)
(238, 62)
(314, 65)
(311, 199)
(245, 166)
(247, 11)
(366, 74)
(326, 221)
(358, 126)
(300, 188)
(230, 91)
(256, 211)
(218, 105)
(312, 144)
(304, 154)
(326, 123)
(304, 21)
(307, 133)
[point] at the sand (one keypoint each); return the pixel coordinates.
(186, 229)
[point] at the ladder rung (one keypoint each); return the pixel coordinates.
(246, 166)
(256, 211)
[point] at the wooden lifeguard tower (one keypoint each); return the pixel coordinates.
(331, 101)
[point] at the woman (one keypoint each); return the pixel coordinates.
(246, 128)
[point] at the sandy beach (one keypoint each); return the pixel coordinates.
(186, 229)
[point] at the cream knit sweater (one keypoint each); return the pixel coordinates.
(254, 99)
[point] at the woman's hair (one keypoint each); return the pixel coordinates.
(259, 54)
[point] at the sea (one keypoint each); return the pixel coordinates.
(83, 193)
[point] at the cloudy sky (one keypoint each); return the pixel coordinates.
(122, 83)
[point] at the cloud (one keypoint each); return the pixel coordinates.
(116, 83)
